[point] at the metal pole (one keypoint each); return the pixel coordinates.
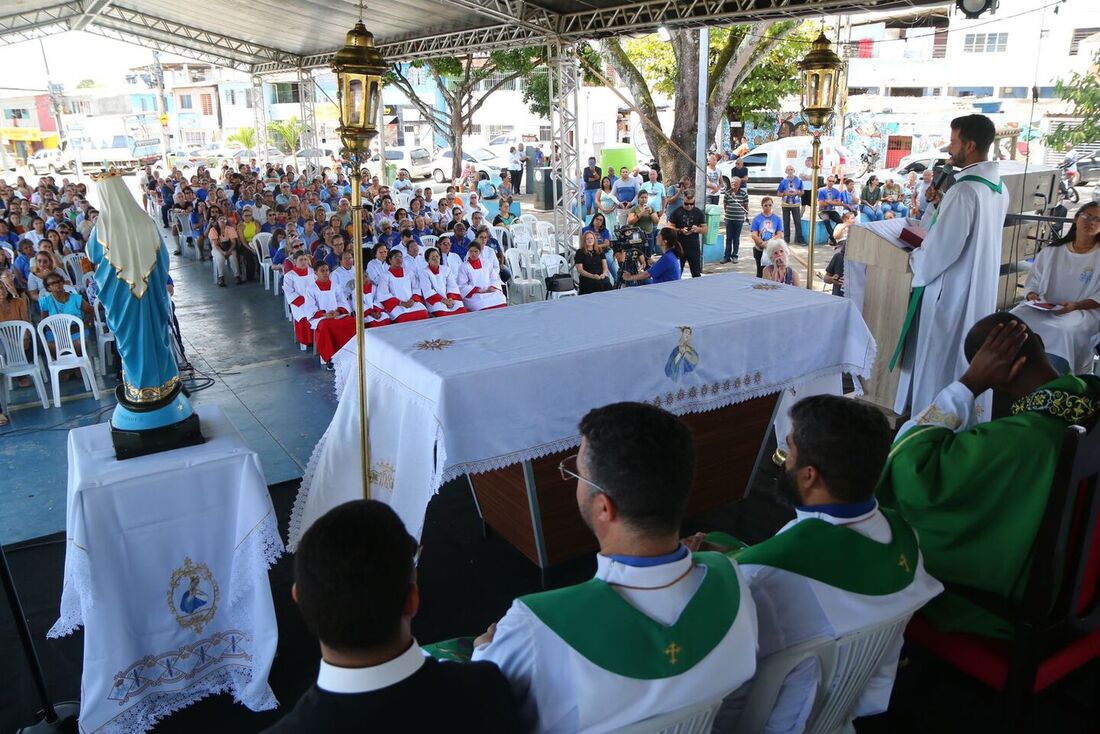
(357, 238)
(158, 72)
(383, 175)
(813, 209)
(58, 109)
(701, 134)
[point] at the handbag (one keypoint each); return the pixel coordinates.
(559, 283)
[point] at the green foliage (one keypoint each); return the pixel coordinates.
(655, 60)
(289, 131)
(1083, 92)
(246, 136)
(86, 84)
(536, 86)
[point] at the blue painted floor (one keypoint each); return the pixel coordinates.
(280, 398)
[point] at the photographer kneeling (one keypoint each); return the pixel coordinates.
(664, 268)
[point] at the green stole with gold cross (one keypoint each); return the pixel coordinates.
(840, 557)
(594, 620)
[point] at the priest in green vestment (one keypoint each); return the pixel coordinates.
(976, 492)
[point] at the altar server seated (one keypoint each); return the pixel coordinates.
(296, 284)
(447, 256)
(842, 565)
(479, 283)
(330, 314)
(355, 585)
(439, 288)
(399, 291)
(1066, 280)
(343, 277)
(377, 266)
(976, 492)
(658, 628)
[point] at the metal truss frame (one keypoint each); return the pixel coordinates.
(564, 76)
(259, 116)
(306, 95)
(30, 24)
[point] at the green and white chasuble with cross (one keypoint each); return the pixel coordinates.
(976, 492)
(828, 573)
(633, 642)
(956, 269)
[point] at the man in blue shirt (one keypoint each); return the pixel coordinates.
(625, 191)
(765, 225)
(829, 200)
(790, 189)
(656, 191)
(24, 259)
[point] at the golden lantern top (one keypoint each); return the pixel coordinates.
(359, 68)
(820, 69)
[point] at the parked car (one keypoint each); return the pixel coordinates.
(328, 157)
(913, 163)
(245, 155)
(417, 161)
(47, 160)
(482, 158)
(1096, 193)
(1088, 169)
(767, 163)
(501, 145)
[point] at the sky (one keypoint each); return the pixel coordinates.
(72, 57)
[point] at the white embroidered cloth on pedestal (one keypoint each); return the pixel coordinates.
(477, 392)
(166, 568)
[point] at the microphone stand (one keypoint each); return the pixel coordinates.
(60, 718)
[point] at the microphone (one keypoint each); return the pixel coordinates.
(945, 175)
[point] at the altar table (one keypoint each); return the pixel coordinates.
(499, 394)
(166, 568)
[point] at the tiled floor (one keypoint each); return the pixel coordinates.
(278, 397)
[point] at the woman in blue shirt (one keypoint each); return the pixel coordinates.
(667, 268)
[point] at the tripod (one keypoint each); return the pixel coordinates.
(60, 718)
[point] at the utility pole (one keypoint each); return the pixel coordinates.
(58, 105)
(702, 135)
(162, 103)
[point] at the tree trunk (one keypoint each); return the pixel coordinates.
(685, 47)
(456, 133)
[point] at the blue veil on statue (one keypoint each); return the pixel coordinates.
(153, 412)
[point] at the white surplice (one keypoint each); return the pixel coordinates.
(1061, 276)
(395, 287)
(958, 264)
(375, 270)
(437, 285)
(561, 691)
(479, 279)
(792, 609)
(322, 300)
(295, 288)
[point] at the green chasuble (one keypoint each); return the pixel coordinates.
(976, 498)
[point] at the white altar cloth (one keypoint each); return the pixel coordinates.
(166, 568)
(477, 392)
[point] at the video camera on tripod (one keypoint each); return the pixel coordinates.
(630, 242)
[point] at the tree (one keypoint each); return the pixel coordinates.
(463, 86)
(536, 87)
(246, 136)
(289, 131)
(86, 84)
(750, 64)
(1083, 92)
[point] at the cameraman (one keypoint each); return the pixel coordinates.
(664, 268)
(645, 218)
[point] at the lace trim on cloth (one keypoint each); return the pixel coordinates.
(252, 559)
(294, 529)
(76, 594)
(232, 679)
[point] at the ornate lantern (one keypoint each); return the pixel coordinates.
(820, 69)
(359, 68)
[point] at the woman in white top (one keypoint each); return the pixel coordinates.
(377, 267)
(399, 291)
(343, 277)
(478, 283)
(296, 285)
(446, 257)
(1064, 286)
(439, 287)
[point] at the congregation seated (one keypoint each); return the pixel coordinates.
(355, 586)
(658, 628)
(976, 492)
(1065, 281)
(840, 566)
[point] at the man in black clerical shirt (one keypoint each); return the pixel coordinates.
(690, 223)
(355, 585)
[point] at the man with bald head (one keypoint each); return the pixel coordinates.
(976, 492)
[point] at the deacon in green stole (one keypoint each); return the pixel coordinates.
(976, 492)
(841, 566)
(657, 629)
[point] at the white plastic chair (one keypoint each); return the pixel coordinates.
(103, 335)
(696, 719)
(522, 236)
(60, 327)
(500, 234)
(186, 233)
(72, 267)
(14, 362)
(845, 665)
(259, 245)
(428, 240)
(524, 286)
(528, 219)
(545, 230)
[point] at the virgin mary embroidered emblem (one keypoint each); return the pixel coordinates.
(193, 595)
(683, 358)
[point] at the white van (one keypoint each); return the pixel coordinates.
(767, 163)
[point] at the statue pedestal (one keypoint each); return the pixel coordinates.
(138, 429)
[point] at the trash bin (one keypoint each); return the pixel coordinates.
(543, 188)
(714, 224)
(391, 173)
